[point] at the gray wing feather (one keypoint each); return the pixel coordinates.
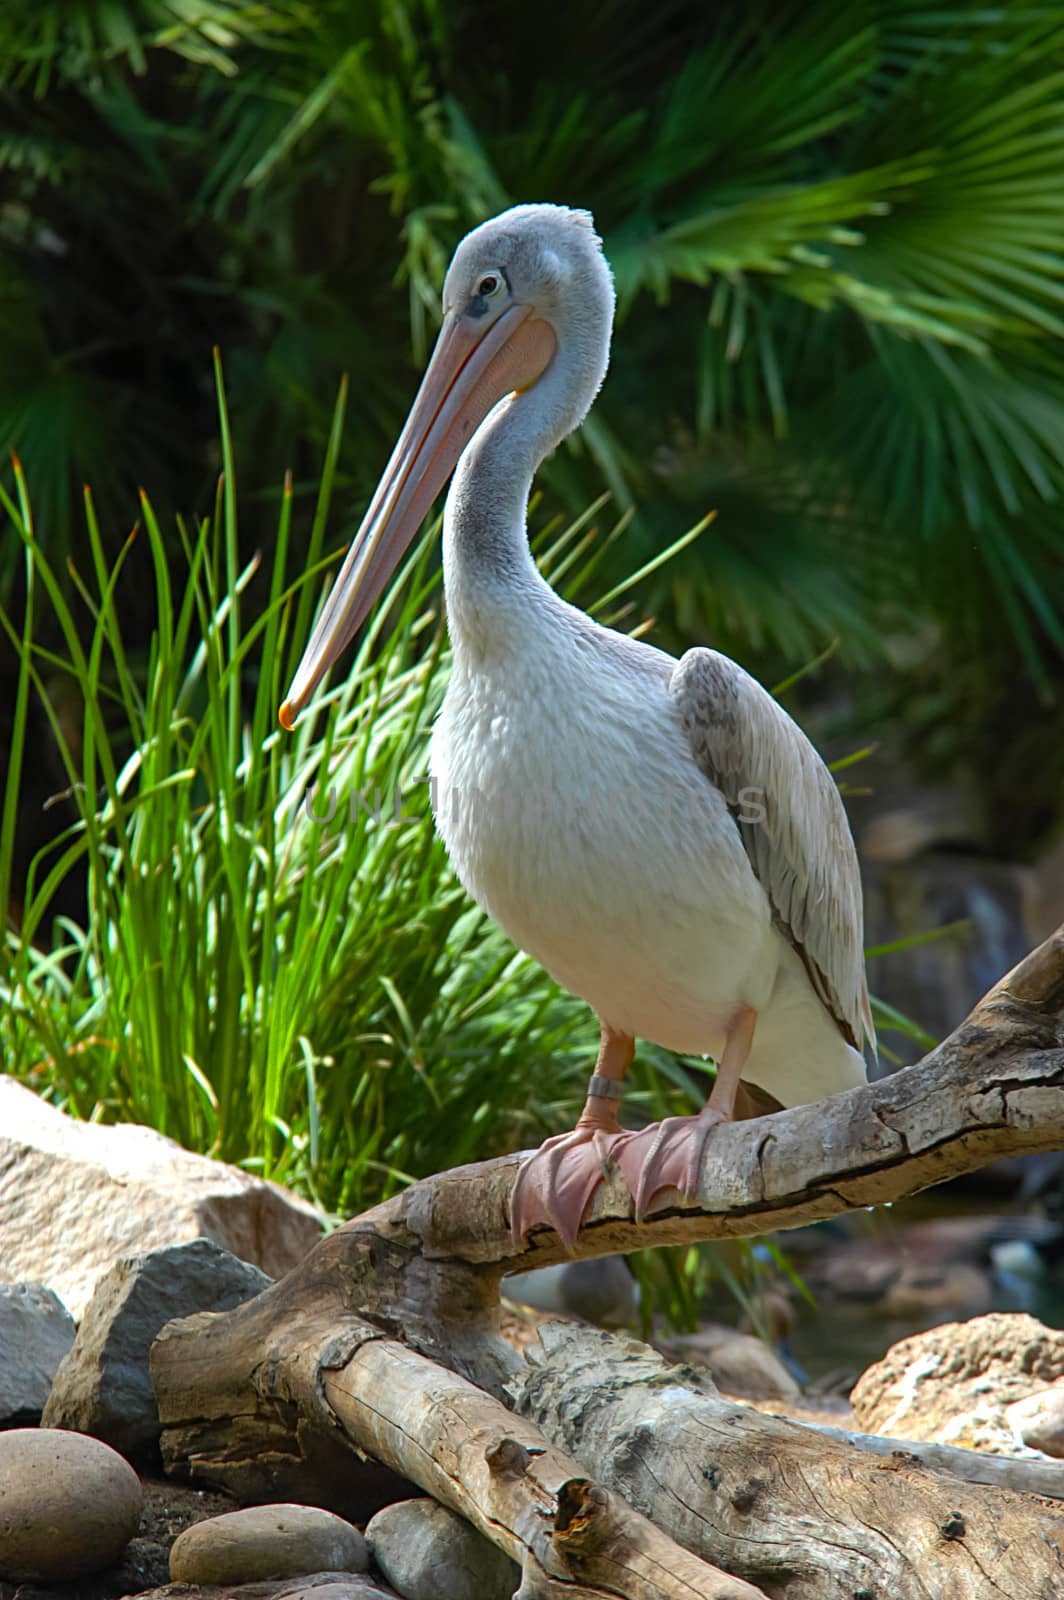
(792, 822)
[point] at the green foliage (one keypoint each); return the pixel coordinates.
(276, 965)
(228, 939)
(836, 230)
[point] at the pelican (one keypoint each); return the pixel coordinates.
(658, 834)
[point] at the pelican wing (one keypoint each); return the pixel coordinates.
(792, 822)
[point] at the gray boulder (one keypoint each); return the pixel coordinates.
(103, 1386)
(36, 1331)
(602, 1291)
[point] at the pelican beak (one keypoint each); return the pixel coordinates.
(471, 370)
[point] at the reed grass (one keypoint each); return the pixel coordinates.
(277, 966)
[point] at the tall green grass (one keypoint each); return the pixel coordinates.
(314, 997)
(277, 966)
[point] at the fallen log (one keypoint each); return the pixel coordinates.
(884, 1526)
(1024, 1474)
(572, 1538)
(470, 1452)
(248, 1398)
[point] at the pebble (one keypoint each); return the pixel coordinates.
(278, 1541)
(427, 1552)
(69, 1505)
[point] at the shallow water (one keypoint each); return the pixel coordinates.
(842, 1336)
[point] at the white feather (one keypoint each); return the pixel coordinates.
(575, 815)
(583, 781)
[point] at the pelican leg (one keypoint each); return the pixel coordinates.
(555, 1184)
(668, 1154)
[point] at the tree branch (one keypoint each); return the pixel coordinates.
(296, 1393)
(995, 1087)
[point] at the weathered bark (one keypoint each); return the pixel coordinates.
(884, 1527)
(251, 1398)
(995, 1087)
(473, 1454)
(571, 1537)
(1021, 1474)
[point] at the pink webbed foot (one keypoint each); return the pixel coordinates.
(667, 1155)
(555, 1184)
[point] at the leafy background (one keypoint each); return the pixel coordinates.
(837, 236)
(836, 231)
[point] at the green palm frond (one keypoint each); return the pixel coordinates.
(39, 43)
(837, 232)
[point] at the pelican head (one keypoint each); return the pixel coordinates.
(527, 306)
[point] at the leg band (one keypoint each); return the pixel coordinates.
(604, 1088)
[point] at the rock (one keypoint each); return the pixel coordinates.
(76, 1196)
(429, 1553)
(602, 1291)
(36, 1331)
(282, 1541)
(1038, 1421)
(953, 1384)
(320, 1585)
(68, 1505)
(314, 1586)
(739, 1363)
(941, 1264)
(103, 1385)
(952, 1287)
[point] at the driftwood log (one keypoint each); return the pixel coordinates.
(380, 1357)
(1030, 1474)
(895, 1530)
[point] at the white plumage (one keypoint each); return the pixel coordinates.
(576, 815)
(658, 834)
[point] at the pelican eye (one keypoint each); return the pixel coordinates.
(489, 284)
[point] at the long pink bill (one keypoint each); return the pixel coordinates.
(471, 370)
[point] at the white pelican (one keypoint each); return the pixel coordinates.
(658, 834)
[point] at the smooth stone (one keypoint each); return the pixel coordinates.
(1038, 1421)
(601, 1291)
(103, 1386)
(326, 1586)
(69, 1505)
(427, 1552)
(36, 1331)
(77, 1196)
(740, 1363)
(309, 1586)
(279, 1541)
(940, 1264)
